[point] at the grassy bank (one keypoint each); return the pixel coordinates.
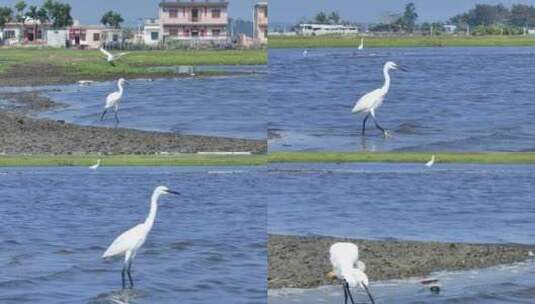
(133, 160)
(386, 42)
(77, 63)
(401, 157)
(276, 157)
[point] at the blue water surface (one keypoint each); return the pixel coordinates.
(452, 99)
(207, 245)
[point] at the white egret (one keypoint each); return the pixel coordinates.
(430, 163)
(95, 166)
(113, 99)
(374, 99)
(130, 241)
(112, 57)
(347, 267)
(305, 53)
(361, 46)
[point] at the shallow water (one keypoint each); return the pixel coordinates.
(454, 99)
(497, 285)
(230, 106)
(457, 203)
(207, 245)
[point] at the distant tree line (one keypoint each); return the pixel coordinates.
(52, 11)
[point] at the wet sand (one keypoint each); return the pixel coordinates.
(24, 135)
(303, 262)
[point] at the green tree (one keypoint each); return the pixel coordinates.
(334, 18)
(20, 7)
(59, 13)
(112, 19)
(6, 15)
(522, 15)
(321, 18)
(408, 20)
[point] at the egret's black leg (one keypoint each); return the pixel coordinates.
(116, 118)
(369, 294)
(349, 293)
(130, 274)
(345, 294)
(122, 276)
(364, 124)
(378, 125)
(103, 114)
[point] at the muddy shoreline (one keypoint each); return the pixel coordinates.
(25, 135)
(303, 262)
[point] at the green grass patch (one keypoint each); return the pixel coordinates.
(401, 157)
(389, 42)
(133, 160)
(92, 62)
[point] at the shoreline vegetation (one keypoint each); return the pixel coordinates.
(259, 157)
(399, 42)
(303, 262)
(64, 66)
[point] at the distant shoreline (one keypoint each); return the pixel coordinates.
(303, 262)
(398, 42)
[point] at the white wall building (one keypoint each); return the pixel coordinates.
(326, 29)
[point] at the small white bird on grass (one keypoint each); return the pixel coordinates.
(361, 46)
(111, 58)
(113, 100)
(347, 268)
(130, 241)
(430, 163)
(95, 166)
(373, 100)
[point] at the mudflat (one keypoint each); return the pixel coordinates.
(303, 262)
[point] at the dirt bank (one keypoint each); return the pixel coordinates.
(302, 262)
(24, 135)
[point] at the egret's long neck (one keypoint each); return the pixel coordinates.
(153, 209)
(386, 86)
(120, 88)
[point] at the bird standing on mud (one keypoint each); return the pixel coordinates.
(374, 99)
(113, 100)
(130, 241)
(347, 267)
(111, 58)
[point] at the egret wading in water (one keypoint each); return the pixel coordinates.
(95, 166)
(110, 58)
(361, 46)
(112, 101)
(430, 163)
(347, 268)
(130, 241)
(374, 99)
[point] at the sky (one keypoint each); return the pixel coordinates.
(90, 11)
(366, 11)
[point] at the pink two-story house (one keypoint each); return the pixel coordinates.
(194, 19)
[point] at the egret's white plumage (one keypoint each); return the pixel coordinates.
(430, 163)
(111, 57)
(374, 99)
(305, 53)
(347, 267)
(131, 240)
(113, 100)
(95, 166)
(361, 46)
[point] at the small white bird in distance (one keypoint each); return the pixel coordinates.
(95, 166)
(374, 99)
(113, 100)
(430, 163)
(305, 53)
(361, 46)
(347, 268)
(112, 57)
(129, 242)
